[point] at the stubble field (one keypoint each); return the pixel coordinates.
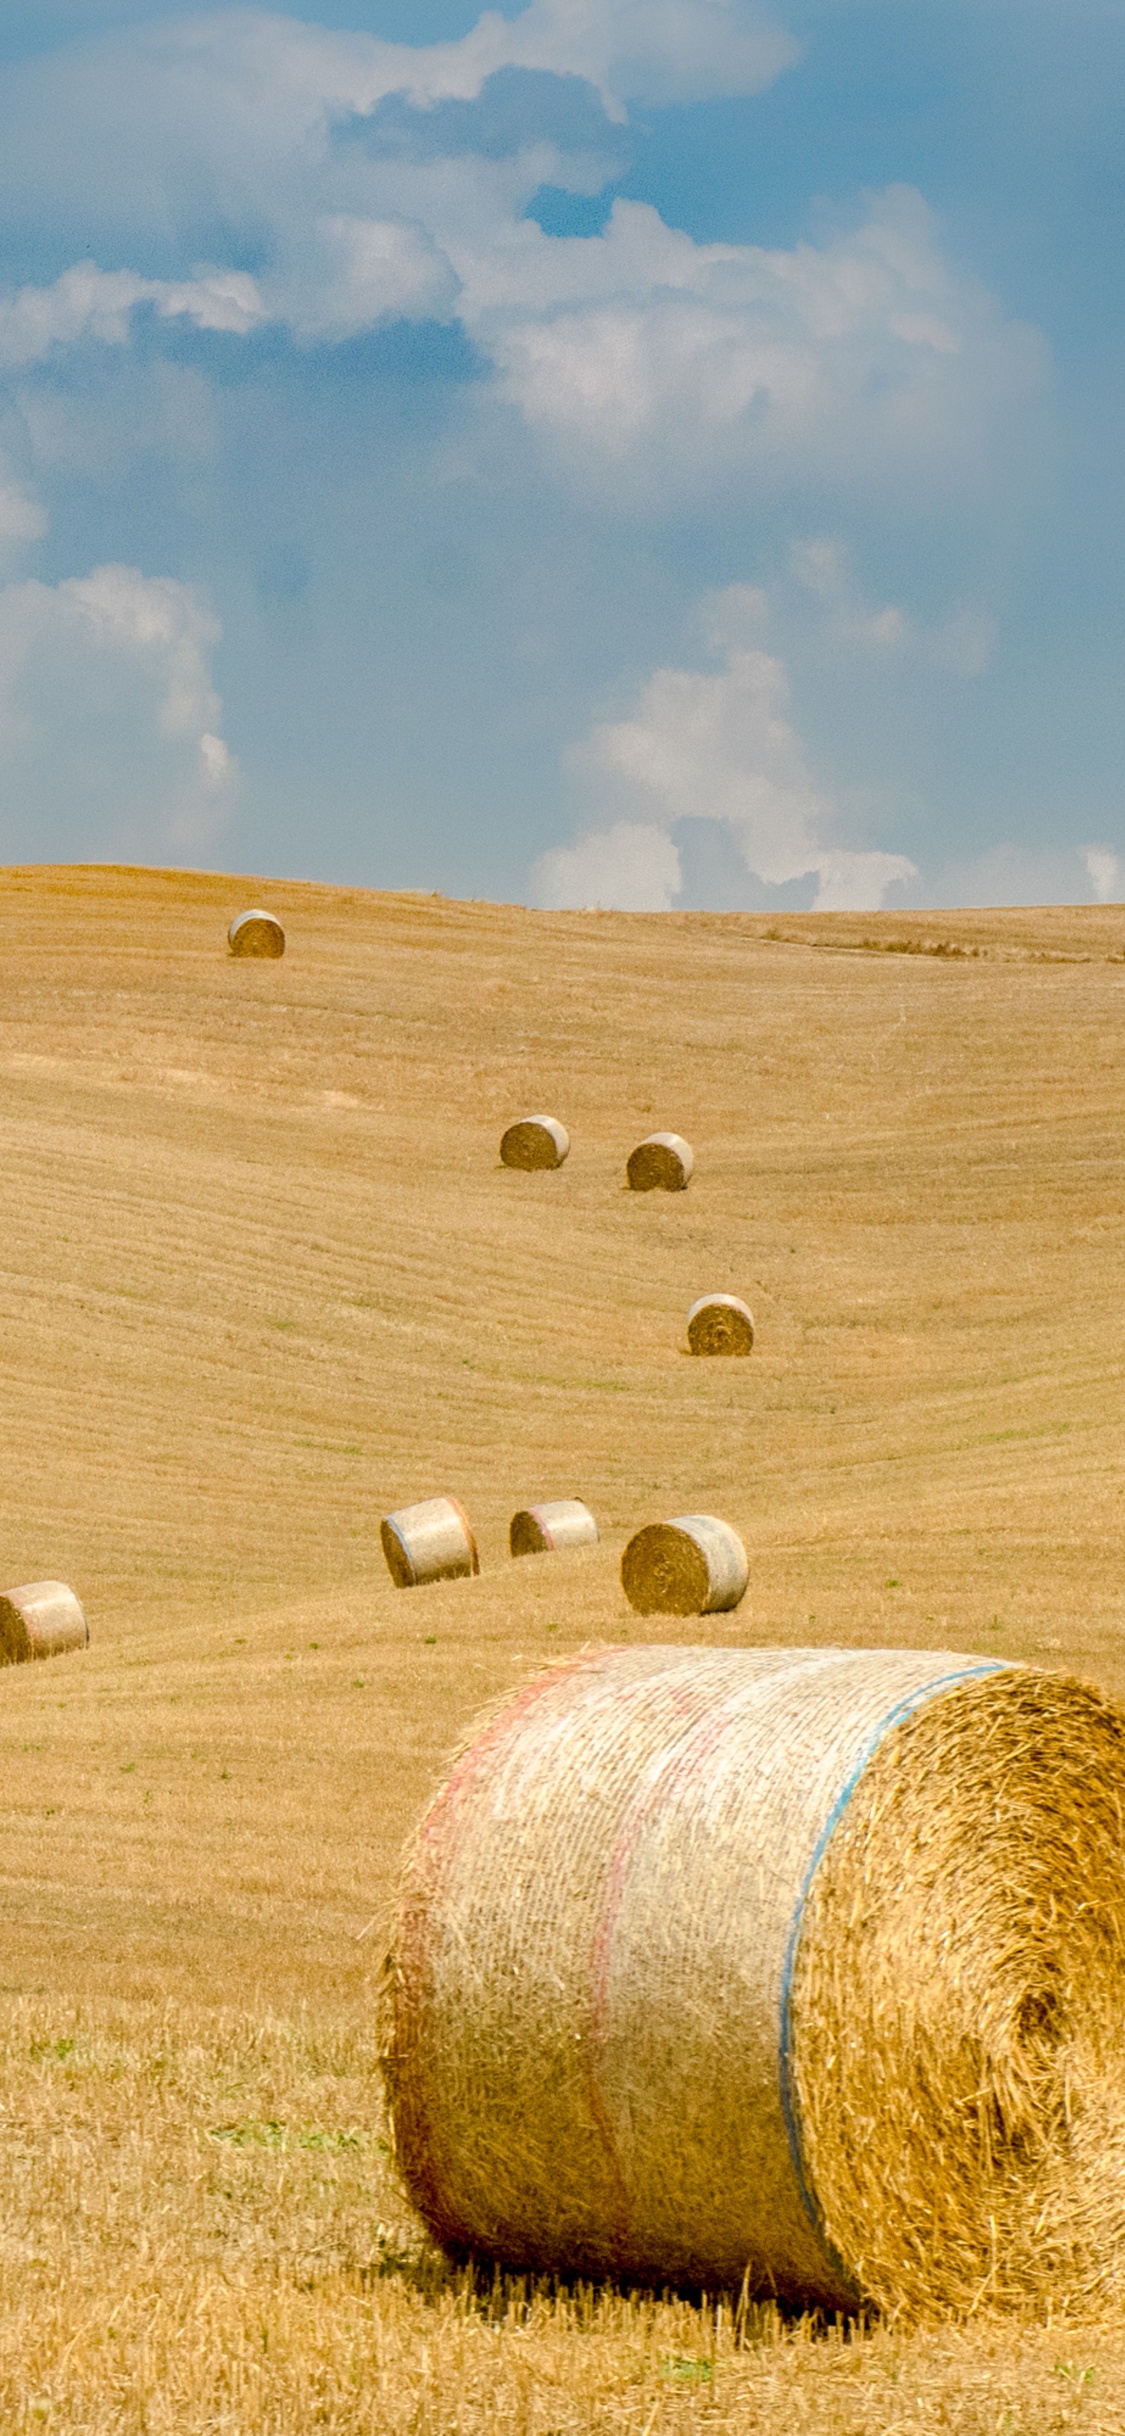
(263, 1278)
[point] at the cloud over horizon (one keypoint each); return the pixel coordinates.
(715, 747)
(334, 331)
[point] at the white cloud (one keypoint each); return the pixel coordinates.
(645, 358)
(352, 273)
(22, 521)
(1107, 871)
(649, 365)
(716, 747)
(632, 866)
(273, 75)
(90, 303)
(963, 643)
(107, 706)
(1011, 874)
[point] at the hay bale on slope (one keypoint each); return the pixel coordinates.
(535, 1141)
(720, 1323)
(40, 1620)
(662, 1162)
(804, 1965)
(256, 934)
(564, 1523)
(429, 1542)
(694, 1565)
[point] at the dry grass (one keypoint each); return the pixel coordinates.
(264, 1280)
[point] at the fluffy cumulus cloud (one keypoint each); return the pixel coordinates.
(648, 358)
(714, 746)
(107, 706)
(205, 196)
(643, 360)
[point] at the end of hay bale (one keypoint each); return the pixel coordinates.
(661, 1163)
(694, 1565)
(429, 1542)
(720, 1323)
(256, 934)
(535, 1141)
(564, 1523)
(40, 1620)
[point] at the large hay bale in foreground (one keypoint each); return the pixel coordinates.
(694, 1565)
(661, 1163)
(256, 934)
(40, 1620)
(535, 1141)
(564, 1522)
(803, 1965)
(429, 1542)
(720, 1323)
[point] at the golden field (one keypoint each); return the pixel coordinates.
(263, 1278)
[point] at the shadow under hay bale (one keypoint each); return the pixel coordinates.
(40, 1620)
(806, 1966)
(694, 1565)
(661, 1163)
(429, 1542)
(256, 934)
(720, 1323)
(536, 1141)
(566, 1523)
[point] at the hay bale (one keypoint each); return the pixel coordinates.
(694, 1565)
(40, 1620)
(803, 1965)
(256, 934)
(565, 1523)
(536, 1141)
(430, 1542)
(720, 1323)
(662, 1162)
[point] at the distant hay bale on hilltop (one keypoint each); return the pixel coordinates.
(40, 1620)
(565, 1523)
(535, 1141)
(694, 1565)
(803, 1967)
(429, 1542)
(661, 1163)
(256, 934)
(720, 1323)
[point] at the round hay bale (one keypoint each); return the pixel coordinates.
(804, 1966)
(694, 1565)
(430, 1542)
(40, 1620)
(720, 1323)
(566, 1523)
(663, 1162)
(536, 1141)
(256, 934)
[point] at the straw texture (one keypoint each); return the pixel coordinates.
(720, 1323)
(256, 934)
(536, 1141)
(564, 1523)
(429, 1542)
(40, 1620)
(959, 2000)
(694, 1565)
(662, 1162)
(807, 1965)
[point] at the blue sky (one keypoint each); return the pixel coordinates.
(639, 452)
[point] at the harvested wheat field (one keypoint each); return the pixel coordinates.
(266, 1280)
